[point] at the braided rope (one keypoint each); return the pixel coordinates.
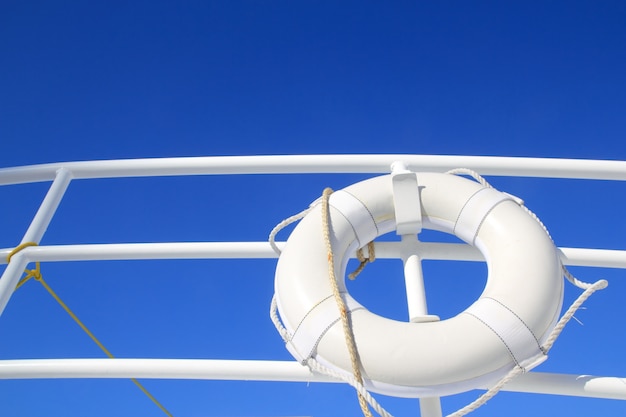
(466, 171)
(280, 226)
(371, 257)
(598, 285)
(314, 365)
(279, 326)
(356, 380)
(345, 320)
(482, 400)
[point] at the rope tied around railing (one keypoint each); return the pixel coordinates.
(36, 274)
(30, 273)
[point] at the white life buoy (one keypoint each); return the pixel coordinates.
(505, 327)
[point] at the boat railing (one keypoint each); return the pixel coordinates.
(61, 176)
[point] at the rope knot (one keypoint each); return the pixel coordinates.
(19, 248)
(33, 273)
(30, 273)
(363, 260)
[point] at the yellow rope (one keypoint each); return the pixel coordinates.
(347, 330)
(36, 273)
(30, 273)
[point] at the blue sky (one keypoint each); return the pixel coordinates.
(85, 80)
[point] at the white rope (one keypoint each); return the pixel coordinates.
(482, 400)
(280, 226)
(598, 285)
(471, 173)
(284, 334)
(314, 365)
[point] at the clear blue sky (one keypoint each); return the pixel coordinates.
(86, 80)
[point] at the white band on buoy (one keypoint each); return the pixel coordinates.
(356, 213)
(475, 210)
(314, 326)
(522, 344)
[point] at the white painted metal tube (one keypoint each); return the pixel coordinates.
(295, 164)
(48, 207)
(430, 407)
(574, 385)
(261, 250)
(35, 232)
(144, 251)
(418, 307)
(287, 371)
(414, 280)
(209, 369)
(415, 292)
(10, 278)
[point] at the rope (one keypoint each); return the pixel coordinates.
(471, 173)
(355, 381)
(280, 226)
(345, 320)
(358, 386)
(30, 273)
(480, 401)
(598, 285)
(36, 273)
(279, 326)
(371, 253)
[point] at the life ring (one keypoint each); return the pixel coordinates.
(505, 327)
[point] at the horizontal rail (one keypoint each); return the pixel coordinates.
(285, 371)
(300, 164)
(261, 250)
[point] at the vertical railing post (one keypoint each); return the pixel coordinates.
(407, 206)
(35, 232)
(430, 407)
(414, 282)
(418, 309)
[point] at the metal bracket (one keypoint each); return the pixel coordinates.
(406, 200)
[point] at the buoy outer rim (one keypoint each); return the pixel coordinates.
(503, 328)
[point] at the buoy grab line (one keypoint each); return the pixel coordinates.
(36, 274)
(355, 380)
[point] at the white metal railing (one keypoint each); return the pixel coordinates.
(310, 164)
(61, 174)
